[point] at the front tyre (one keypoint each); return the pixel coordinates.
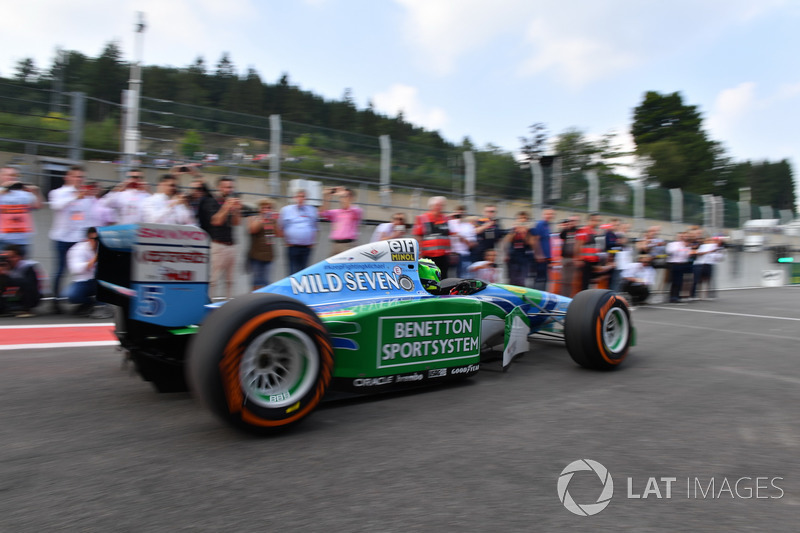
(261, 362)
(598, 330)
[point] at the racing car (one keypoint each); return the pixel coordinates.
(371, 319)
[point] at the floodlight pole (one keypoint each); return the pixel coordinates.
(132, 98)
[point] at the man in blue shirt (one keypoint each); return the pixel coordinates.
(541, 249)
(299, 224)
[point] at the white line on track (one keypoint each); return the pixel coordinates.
(685, 310)
(748, 333)
(757, 374)
(85, 344)
(48, 326)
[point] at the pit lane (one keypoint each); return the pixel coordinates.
(711, 390)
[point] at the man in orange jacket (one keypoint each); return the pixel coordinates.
(433, 233)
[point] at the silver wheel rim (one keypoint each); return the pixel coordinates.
(279, 367)
(615, 330)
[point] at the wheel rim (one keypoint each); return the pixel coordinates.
(616, 330)
(279, 367)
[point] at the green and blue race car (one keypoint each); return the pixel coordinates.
(358, 322)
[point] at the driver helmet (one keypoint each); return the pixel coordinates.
(429, 275)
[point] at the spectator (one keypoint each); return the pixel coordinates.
(298, 222)
(345, 220)
(678, 253)
(462, 240)
(587, 252)
(71, 206)
(614, 241)
(190, 171)
(433, 232)
(263, 228)
(653, 245)
(19, 283)
(520, 242)
(637, 279)
(167, 205)
(127, 198)
(695, 238)
(82, 261)
(102, 214)
(486, 269)
(199, 196)
(568, 237)
(17, 200)
(703, 267)
(393, 229)
(220, 215)
(488, 232)
(715, 258)
(542, 251)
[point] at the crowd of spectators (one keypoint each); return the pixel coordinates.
(571, 257)
(562, 258)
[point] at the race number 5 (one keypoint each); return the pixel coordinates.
(150, 303)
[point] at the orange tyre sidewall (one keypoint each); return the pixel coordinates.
(599, 333)
(230, 364)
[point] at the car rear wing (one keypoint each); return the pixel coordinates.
(157, 273)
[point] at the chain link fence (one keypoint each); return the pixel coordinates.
(43, 131)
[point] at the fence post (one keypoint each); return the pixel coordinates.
(676, 197)
(638, 203)
(594, 191)
(275, 155)
(386, 170)
(537, 188)
(719, 213)
(469, 180)
(708, 210)
(744, 205)
(78, 111)
(416, 200)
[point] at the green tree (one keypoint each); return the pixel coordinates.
(770, 183)
(669, 134)
(533, 147)
(192, 142)
(222, 80)
(302, 147)
(499, 174)
(252, 94)
(103, 136)
(108, 77)
(26, 71)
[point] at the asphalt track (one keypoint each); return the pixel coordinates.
(711, 392)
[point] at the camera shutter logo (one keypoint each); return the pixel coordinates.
(588, 509)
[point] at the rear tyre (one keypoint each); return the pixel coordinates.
(598, 330)
(261, 362)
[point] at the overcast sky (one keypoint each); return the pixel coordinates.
(476, 68)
